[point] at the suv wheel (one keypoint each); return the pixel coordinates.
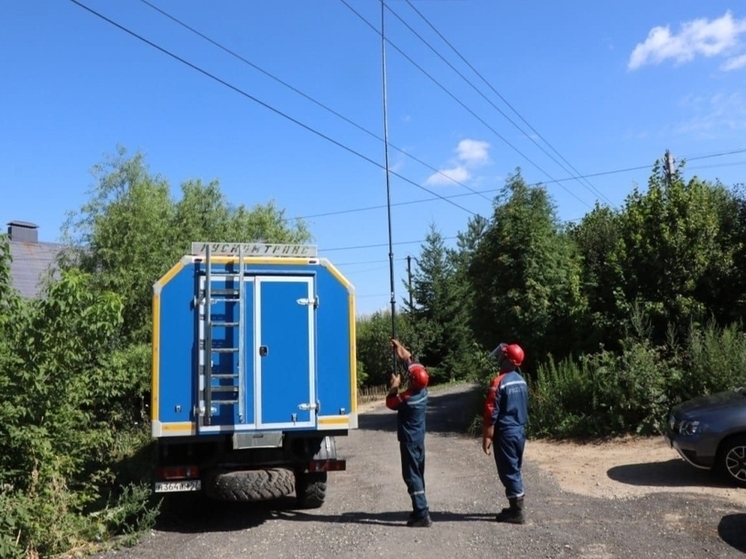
(731, 460)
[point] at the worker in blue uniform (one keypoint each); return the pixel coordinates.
(504, 427)
(410, 406)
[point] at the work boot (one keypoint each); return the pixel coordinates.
(423, 522)
(514, 513)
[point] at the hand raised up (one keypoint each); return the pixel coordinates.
(401, 352)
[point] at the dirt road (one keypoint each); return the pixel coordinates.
(582, 501)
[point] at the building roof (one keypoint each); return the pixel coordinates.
(25, 224)
(31, 264)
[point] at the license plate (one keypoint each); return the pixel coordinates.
(176, 486)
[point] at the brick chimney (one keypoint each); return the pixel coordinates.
(23, 232)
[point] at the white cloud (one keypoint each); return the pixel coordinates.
(697, 37)
(734, 63)
(448, 176)
(397, 166)
(470, 154)
(473, 152)
(716, 116)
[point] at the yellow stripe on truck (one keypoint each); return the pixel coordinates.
(156, 337)
(334, 420)
(155, 372)
(179, 428)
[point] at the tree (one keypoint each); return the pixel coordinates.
(123, 236)
(598, 238)
(132, 231)
(440, 314)
(723, 286)
(673, 245)
(374, 355)
(468, 241)
(526, 276)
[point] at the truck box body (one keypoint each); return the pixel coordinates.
(255, 342)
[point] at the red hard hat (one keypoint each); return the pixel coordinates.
(512, 353)
(418, 377)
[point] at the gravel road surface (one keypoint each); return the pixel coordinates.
(366, 510)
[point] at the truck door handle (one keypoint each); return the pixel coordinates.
(263, 350)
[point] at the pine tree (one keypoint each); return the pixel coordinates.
(440, 314)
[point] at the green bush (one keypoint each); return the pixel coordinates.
(67, 418)
(631, 392)
(14, 517)
(714, 360)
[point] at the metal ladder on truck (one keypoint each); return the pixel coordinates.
(208, 296)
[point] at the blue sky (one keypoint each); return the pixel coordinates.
(601, 87)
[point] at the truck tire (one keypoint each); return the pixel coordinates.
(250, 485)
(310, 489)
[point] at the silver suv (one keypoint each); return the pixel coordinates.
(709, 432)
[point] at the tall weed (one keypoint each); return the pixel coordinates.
(631, 391)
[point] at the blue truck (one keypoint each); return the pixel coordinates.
(254, 372)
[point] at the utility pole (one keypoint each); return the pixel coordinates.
(409, 280)
(669, 168)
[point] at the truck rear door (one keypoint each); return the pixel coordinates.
(284, 352)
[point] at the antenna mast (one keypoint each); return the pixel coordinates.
(388, 181)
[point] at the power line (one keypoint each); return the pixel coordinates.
(436, 82)
(368, 208)
(592, 189)
(699, 157)
(310, 129)
(365, 270)
(265, 105)
(711, 155)
(450, 196)
(302, 94)
(491, 190)
(379, 261)
(360, 247)
(714, 165)
(498, 93)
(342, 264)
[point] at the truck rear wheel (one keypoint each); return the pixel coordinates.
(250, 485)
(310, 489)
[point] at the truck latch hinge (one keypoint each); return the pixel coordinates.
(306, 407)
(312, 301)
